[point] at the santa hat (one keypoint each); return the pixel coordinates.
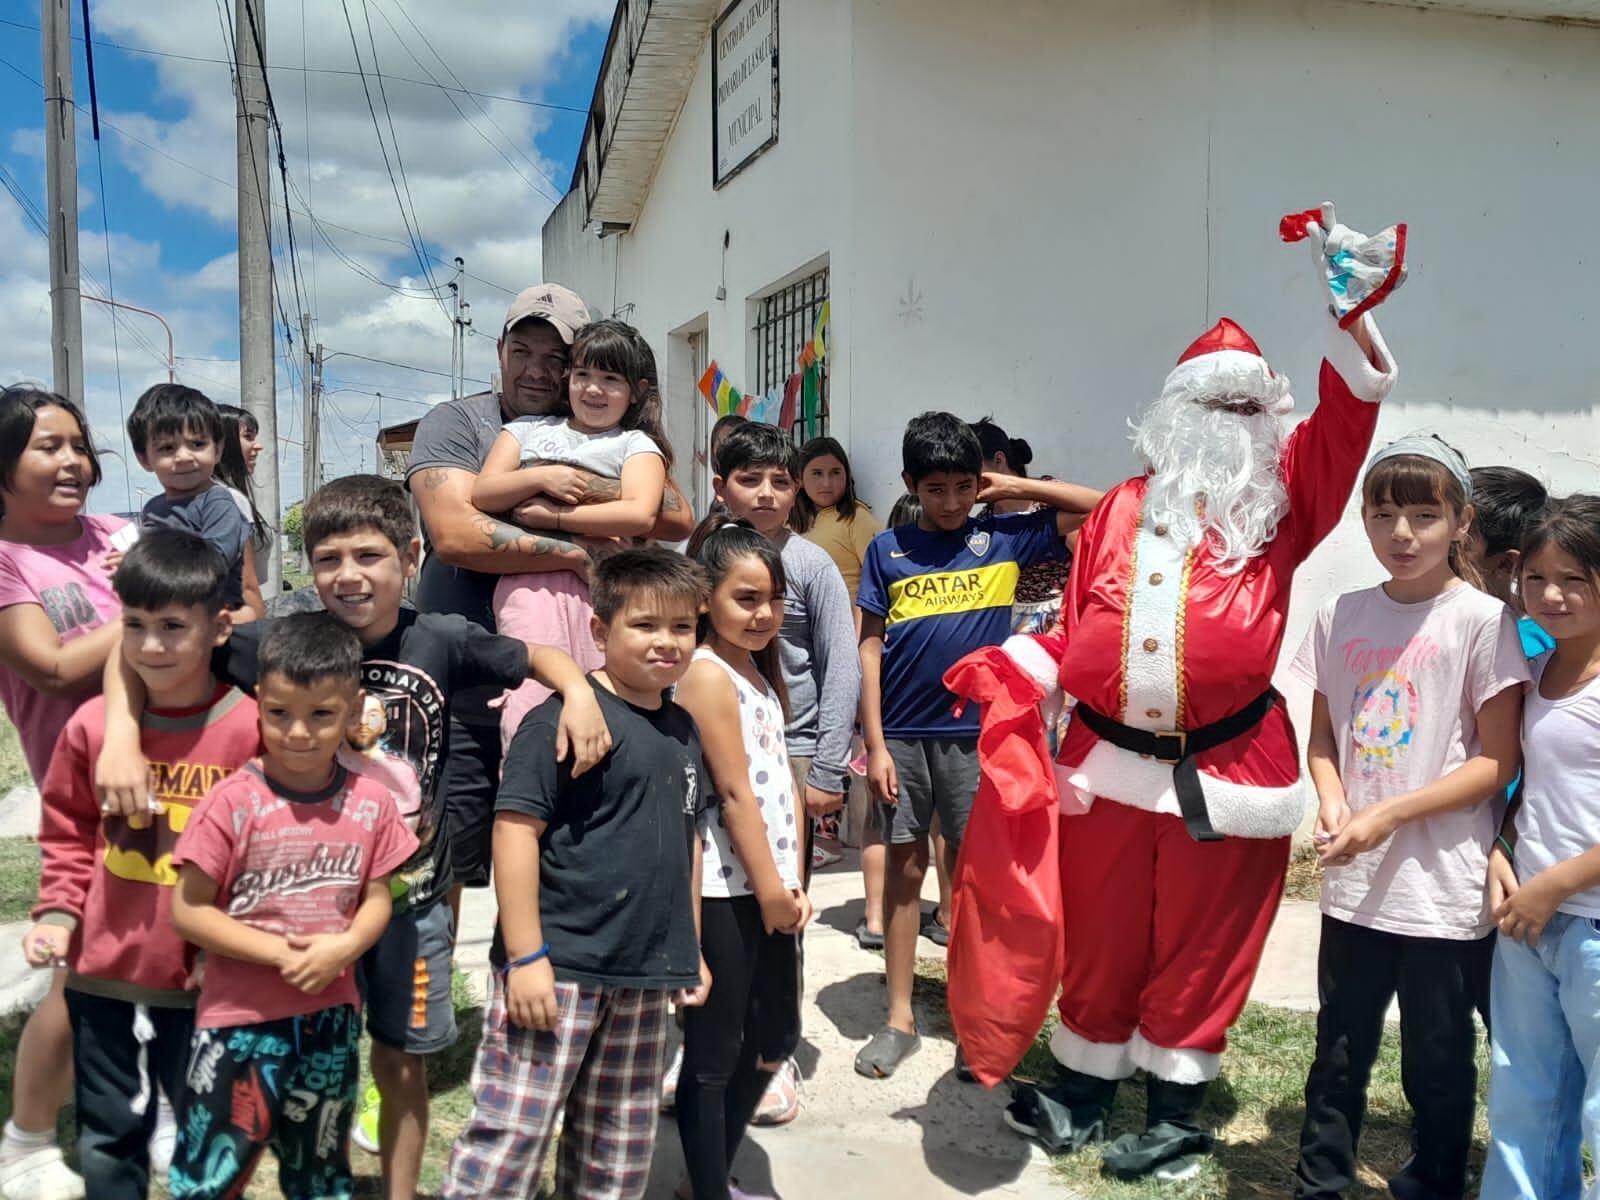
(1223, 368)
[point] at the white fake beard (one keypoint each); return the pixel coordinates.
(1231, 461)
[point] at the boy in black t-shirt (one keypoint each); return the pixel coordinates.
(597, 878)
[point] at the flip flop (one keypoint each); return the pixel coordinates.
(866, 939)
(888, 1048)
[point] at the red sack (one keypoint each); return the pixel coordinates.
(1006, 949)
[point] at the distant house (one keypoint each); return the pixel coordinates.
(394, 448)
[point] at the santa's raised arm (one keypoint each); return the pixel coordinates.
(1179, 773)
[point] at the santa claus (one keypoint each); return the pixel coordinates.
(1179, 774)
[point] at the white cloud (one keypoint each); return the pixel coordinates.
(479, 186)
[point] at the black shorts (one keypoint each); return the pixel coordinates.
(470, 778)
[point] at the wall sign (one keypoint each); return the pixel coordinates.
(744, 86)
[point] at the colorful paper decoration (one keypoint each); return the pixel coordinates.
(798, 398)
(723, 397)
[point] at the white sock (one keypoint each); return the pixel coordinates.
(15, 1142)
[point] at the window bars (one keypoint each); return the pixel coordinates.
(785, 322)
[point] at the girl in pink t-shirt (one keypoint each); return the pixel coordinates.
(1414, 737)
(57, 627)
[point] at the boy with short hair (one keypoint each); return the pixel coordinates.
(105, 891)
(757, 479)
(176, 433)
(1505, 501)
(283, 879)
(931, 593)
(597, 880)
(361, 537)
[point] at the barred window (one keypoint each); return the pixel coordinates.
(785, 322)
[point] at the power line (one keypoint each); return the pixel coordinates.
(416, 242)
(402, 366)
(234, 187)
(305, 106)
(105, 229)
(36, 218)
(462, 113)
(305, 70)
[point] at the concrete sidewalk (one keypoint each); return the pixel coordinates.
(919, 1134)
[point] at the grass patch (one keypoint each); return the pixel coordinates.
(1255, 1108)
(1304, 881)
(19, 879)
(13, 766)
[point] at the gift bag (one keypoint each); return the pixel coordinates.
(1005, 955)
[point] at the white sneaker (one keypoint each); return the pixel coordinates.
(669, 1082)
(780, 1104)
(163, 1141)
(40, 1174)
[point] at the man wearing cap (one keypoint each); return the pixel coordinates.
(1179, 774)
(467, 552)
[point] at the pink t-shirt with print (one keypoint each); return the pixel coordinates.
(1404, 683)
(71, 584)
(287, 863)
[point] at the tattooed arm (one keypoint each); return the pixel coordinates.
(465, 537)
(675, 522)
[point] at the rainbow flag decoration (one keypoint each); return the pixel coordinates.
(816, 349)
(724, 398)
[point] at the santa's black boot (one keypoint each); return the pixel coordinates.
(1065, 1114)
(1173, 1139)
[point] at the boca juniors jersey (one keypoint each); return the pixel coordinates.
(941, 596)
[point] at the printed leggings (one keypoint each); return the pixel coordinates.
(289, 1084)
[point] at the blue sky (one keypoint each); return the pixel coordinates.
(479, 182)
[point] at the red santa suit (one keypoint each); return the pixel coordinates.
(1163, 932)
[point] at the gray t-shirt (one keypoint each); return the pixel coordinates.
(456, 434)
(821, 669)
(214, 516)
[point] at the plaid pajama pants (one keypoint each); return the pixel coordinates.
(600, 1069)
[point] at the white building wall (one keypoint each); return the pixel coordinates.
(1031, 206)
(786, 211)
(1051, 200)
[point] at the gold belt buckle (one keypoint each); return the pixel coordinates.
(1181, 736)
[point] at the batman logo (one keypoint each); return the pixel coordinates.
(139, 848)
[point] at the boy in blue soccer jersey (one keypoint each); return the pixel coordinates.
(931, 593)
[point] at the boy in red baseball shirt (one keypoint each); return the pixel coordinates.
(105, 894)
(284, 882)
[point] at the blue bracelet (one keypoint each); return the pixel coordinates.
(542, 952)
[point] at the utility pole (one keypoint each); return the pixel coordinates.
(457, 350)
(257, 373)
(61, 180)
(310, 468)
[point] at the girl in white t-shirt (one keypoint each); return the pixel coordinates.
(753, 905)
(1544, 884)
(1413, 740)
(538, 473)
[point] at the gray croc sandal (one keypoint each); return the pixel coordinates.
(888, 1048)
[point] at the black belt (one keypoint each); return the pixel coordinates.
(1179, 748)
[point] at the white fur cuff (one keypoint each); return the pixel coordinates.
(1035, 661)
(1103, 1060)
(1365, 381)
(1236, 809)
(1175, 1066)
